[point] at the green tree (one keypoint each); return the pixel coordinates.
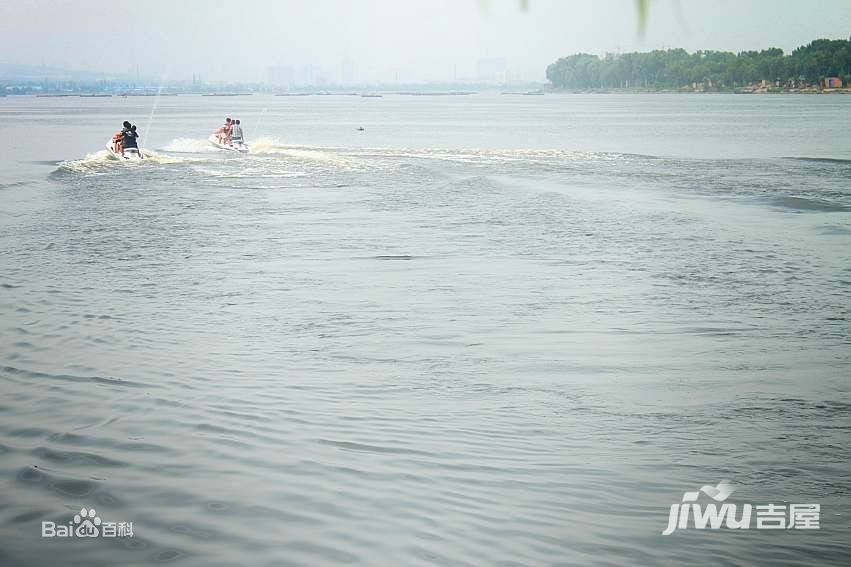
(673, 68)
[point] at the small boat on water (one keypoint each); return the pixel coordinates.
(129, 154)
(239, 147)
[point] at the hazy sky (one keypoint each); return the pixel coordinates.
(412, 40)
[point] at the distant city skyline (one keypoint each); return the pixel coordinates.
(370, 41)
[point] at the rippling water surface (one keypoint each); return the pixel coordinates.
(483, 331)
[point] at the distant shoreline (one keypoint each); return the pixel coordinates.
(761, 91)
(379, 94)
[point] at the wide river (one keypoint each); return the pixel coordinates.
(483, 330)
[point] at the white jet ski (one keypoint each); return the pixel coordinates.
(233, 147)
(130, 154)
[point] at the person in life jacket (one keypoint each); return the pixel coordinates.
(236, 135)
(223, 133)
(130, 140)
(118, 139)
(228, 131)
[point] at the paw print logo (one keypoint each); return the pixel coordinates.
(87, 523)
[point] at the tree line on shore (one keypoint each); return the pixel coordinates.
(675, 68)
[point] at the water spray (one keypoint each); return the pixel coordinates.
(153, 110)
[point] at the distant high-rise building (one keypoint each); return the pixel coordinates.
(492, 70)
(348, 72)
(306, 75)
(281, 76)
(296, 76)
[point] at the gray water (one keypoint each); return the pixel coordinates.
(486, 330)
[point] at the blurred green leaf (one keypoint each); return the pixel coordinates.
(642, 7)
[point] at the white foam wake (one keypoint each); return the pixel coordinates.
(190, 146)
(101, 160)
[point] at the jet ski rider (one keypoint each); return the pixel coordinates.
(236, 136)
(223, 133)
(129, 140)
(118, 139)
